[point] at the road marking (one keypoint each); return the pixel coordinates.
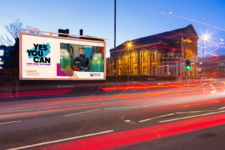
(126, 120)
(150, 105)
(81, 112)
(11, 122)
(156, 117)
(122, 107)
(191, 116)
(187, 112)
(61, 140)
(221, 108)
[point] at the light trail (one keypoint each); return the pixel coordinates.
(114, 103)
(199, 22)
(61, 140)
(34, 93)
(150, 86)
(136, 136)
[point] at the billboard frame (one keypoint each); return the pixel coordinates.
(59, 37)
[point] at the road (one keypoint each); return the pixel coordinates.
(172, 116)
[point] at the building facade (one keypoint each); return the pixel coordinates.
(2, 48)
(213, 66)
(160, 54)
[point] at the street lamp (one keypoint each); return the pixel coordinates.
(204, 37)
(129, 45)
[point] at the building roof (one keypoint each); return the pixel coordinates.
(159, 37)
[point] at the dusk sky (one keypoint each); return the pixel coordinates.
(135, 18)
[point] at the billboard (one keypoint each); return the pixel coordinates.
(44, 57)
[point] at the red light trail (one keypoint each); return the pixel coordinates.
(136, 136)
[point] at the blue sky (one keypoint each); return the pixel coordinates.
(135, 18)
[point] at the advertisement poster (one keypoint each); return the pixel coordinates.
(45, 57)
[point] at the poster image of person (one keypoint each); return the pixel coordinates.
(83, 58)
(81, 62)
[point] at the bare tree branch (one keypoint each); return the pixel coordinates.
(33, 28)
(14, 29)
(7, 41)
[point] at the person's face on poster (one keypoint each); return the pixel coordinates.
(82, 51)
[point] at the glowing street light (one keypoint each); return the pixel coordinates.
(204, 37)
(129, 45)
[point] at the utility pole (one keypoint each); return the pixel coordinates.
(114, 43)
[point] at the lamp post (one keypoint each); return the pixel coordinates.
(204, 37)
(114, 69)
(129, 46)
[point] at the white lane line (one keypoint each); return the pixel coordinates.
(126, 120)
(191, 116)
(190, 112)
(122, 107)
(11, 122)
(156, 117)
(221, 108)
(61, 140)
(81, 112)
(150, 105)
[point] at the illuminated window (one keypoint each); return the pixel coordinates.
(1, 52)
(112, 59)
(144, 57)
(135, 57)
(120, 59)
(154, 70)
(135, 71)
(128, 58)
(144, 70)
(154, 55)
(120, 71)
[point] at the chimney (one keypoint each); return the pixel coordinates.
(67, 31)
(81, 32)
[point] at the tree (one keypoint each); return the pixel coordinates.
(11, 54)
(14, 29)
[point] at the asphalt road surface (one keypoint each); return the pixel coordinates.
(169, 117)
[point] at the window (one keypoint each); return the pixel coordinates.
(135, 71)
(120, 59)
(112, 60)
(144, 70)
(144, 57)
(128, 58)
(120, 71)
(1, 52)
(154, 55)
(154, 70)
(135, 57)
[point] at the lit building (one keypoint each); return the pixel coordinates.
(2, 48)
(160, 54)
(213, 66)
